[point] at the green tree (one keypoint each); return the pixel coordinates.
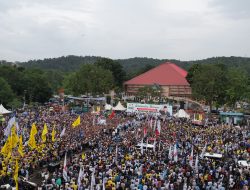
(248, 90)
(37, 86)
(210, 84)
(149, 92)
(70, 84)
(55, 79)
(195, 69)
(6, 93)
(90, 79)
(238, 86)
(15, 103)
(14, 77)
(145, 69)
(116, 69)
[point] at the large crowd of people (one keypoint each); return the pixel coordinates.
(135, 151)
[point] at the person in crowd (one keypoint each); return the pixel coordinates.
(135, 151)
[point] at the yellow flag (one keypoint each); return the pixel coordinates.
(32, 140)
(14, 137)
(83, 156)
(33, 130)
(4, 148)
(9, 156)
(53, 134)
(16, 175)
(76, 122)
(7, 146)
(98, 109)
(20, 147)
(44, 133)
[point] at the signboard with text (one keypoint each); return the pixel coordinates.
(137, 107)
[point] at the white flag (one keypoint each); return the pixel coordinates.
(141, 146)
(203, 151)
(159, 126)
(65, 175)
(11, 122)
(103, 184)
(94, 121)
(140, 171)
(175, 153)
(196, 163)
(147, 144)
(80, 176)
(63, 132)
(154, 144)
(116, 152)
(92, 180)
(170, 153)
(151, 123)
(191, 157)
(155, 124)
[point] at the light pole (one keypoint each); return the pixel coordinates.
(24, 98)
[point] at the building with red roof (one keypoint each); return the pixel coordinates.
(170, 77)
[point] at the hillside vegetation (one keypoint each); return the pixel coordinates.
(131, 65)
(218, 80)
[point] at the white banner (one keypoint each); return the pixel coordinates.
(137, 107)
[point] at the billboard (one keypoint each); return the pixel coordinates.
(137, 107)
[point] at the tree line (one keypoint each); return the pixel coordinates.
(212, 80)
(131, 66)
(218, 85)
(18, 84)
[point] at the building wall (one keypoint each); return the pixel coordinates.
(180, 91)
(165, 90)
(170, 90)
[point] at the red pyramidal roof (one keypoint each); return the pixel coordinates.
(164, 74)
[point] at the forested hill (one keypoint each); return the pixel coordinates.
(65, 64)
(131, 65)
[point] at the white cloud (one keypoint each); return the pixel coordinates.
(178, 29)
(234, 9)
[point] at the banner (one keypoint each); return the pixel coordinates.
(137, 107)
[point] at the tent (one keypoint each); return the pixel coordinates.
(212, 155)
(119, 107)
(244, 163)
(145, 145)
(108, 107)
(3, 110)
(182, 114)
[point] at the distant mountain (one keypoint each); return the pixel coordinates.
(65, 64)
(131, 65)
(3, 62)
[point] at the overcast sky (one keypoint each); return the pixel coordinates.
(178, 29)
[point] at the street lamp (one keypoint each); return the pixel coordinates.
(24, 98)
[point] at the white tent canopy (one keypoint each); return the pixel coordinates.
(3, 110)
(145, 145)
(244, 163)
(212, 155)
(119, 107)
(182, 114)
(108, 107)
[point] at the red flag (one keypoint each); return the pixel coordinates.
(152, 139)
(112, 115)
(157, 133)
(145, 131)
